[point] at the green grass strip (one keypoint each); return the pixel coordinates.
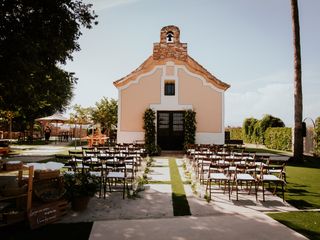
(306, 223)
(179, 200)
(167, 182)
(159, 182)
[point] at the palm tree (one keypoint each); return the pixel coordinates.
(298, 138)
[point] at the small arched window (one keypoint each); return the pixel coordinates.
(170, 37)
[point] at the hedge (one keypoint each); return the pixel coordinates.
(279, 138)
(317, 137)
(235, 133)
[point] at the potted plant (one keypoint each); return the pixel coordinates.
(80, 187)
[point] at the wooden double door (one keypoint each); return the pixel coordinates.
(170, 130)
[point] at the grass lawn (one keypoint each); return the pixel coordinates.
(303, 192)
(303, 188)
(267, 150)
(306, 223)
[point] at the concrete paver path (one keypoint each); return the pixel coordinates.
(223, 226)
(151, 217)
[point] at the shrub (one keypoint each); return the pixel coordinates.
(279, 138)
(266, 122)
(254, 130)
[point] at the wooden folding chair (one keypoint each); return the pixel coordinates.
(114, 173)
(245, 174)
(217, 173)
(271, 179)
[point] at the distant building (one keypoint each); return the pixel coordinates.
(169, 82)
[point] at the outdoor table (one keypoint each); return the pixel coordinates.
(96, 139)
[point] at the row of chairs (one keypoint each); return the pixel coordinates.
(107, 151)
(116, 147)
(214, 148)
(111, 171)
(111, 166)
(236, 177)
(234, 168)
(201, 162)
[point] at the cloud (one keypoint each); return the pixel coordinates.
(274, 78)
(275, 99)
(99, 5)
(272, 94)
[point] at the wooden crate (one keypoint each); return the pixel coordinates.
(47, 213)
(14, 217)
(46, 174)
(12, 166)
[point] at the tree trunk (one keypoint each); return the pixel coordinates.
(80, 134)
(30, 126)
(10, 127)
(298, 138)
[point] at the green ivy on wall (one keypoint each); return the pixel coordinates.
(150, 131)
(190, 126)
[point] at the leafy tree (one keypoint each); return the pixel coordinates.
(266, 122)
(106, 113)
(36, 37)
(270, 121)
(248, 128)
(81, 115)
(6, 118)
(298, 138)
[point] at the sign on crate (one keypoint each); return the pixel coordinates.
(47, 213)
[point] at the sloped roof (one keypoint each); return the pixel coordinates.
(191, 64)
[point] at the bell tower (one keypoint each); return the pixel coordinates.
(170, 46)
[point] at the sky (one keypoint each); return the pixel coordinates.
(245, 43)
